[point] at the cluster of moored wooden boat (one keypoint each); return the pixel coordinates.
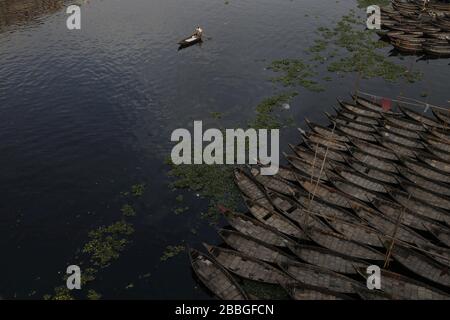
(371, 188)
(414, 28)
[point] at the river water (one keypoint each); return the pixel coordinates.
(86, 114)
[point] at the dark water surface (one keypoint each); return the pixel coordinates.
(86, 114)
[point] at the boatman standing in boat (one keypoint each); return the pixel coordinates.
(198, 32)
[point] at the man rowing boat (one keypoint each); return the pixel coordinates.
(198, 32)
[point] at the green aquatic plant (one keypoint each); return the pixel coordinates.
(172, 251)
(296, 72)
(137, 190)
(106, 243)
(128, 210)
(268, 112)
(93, 295)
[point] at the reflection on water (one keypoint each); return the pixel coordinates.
(19, 12)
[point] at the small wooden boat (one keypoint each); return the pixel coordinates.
(406, 123)
(395, 128)
(388, 226)
(409, 218)
(427, 196)
(215, 277)
(322, 151)
(246, 266)
(399, 139)
(250, 188)
(342, 119)
(372, 172)
(326, 258)
(442, 115)
(374, 294)
(273, 183)
(338, 243)
(421, 264)
(253, 247)
(360, 110)
(398, 149)
(347, 113)
(314, 139)
(360, 179)
(329, 133)
(275, 220)
(439, 153)
(370, 104)
(307, 170)
(419, 117)
(419, 206)
(436, 187)
(437, 143)
(189, 41)
(375, 150)
(324, 192)
(355, 133)
(302, 291)
(373, 161)
(426, 171)
(350, 189)
(256, 229)
(309, 156)
(405, 288)
(441, 233)
(319, 277)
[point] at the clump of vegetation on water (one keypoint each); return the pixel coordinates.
(106, 243)
(128, 210)
(264, 291)
(267, 112)
(172, 251)
(137, 190)
(296, 72)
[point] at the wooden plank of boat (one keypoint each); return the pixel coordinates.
(286, 174)
(438, 153)
(436, 187)
(409, 218)
(330, 153)
(395, 128)
(406, 123)
(398, 149)
(373, 161)
(253, 247)
(419, 206)
(359, 110)
(348, 114)
(441, 233)
(405, 141)
(275, 220)
(249, 187)
(314, 138)
(295, 212)
(442, 115)
(326, 258)
(372, 172)
(247, 267)
(437, 51)
(355, 133)
(402, 287)
(189, 41)
(272, 183)
(426, 171)
(326, 132)
(301, 291)
(441, 134)
(419, 117)
(388, 226)
(428, 197)
(309, 156)
(324, 192)
(360, 179)
(307, 170)
(351, 189)
(375, 150)
(319, 277)
(325, 209)
(369, 104)
(421, 264)
(215, 277)
(437, 143)
(440, 254)
(256, 229)
(352, 120)
(436, 163)
(339, 243)
(374, 294)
